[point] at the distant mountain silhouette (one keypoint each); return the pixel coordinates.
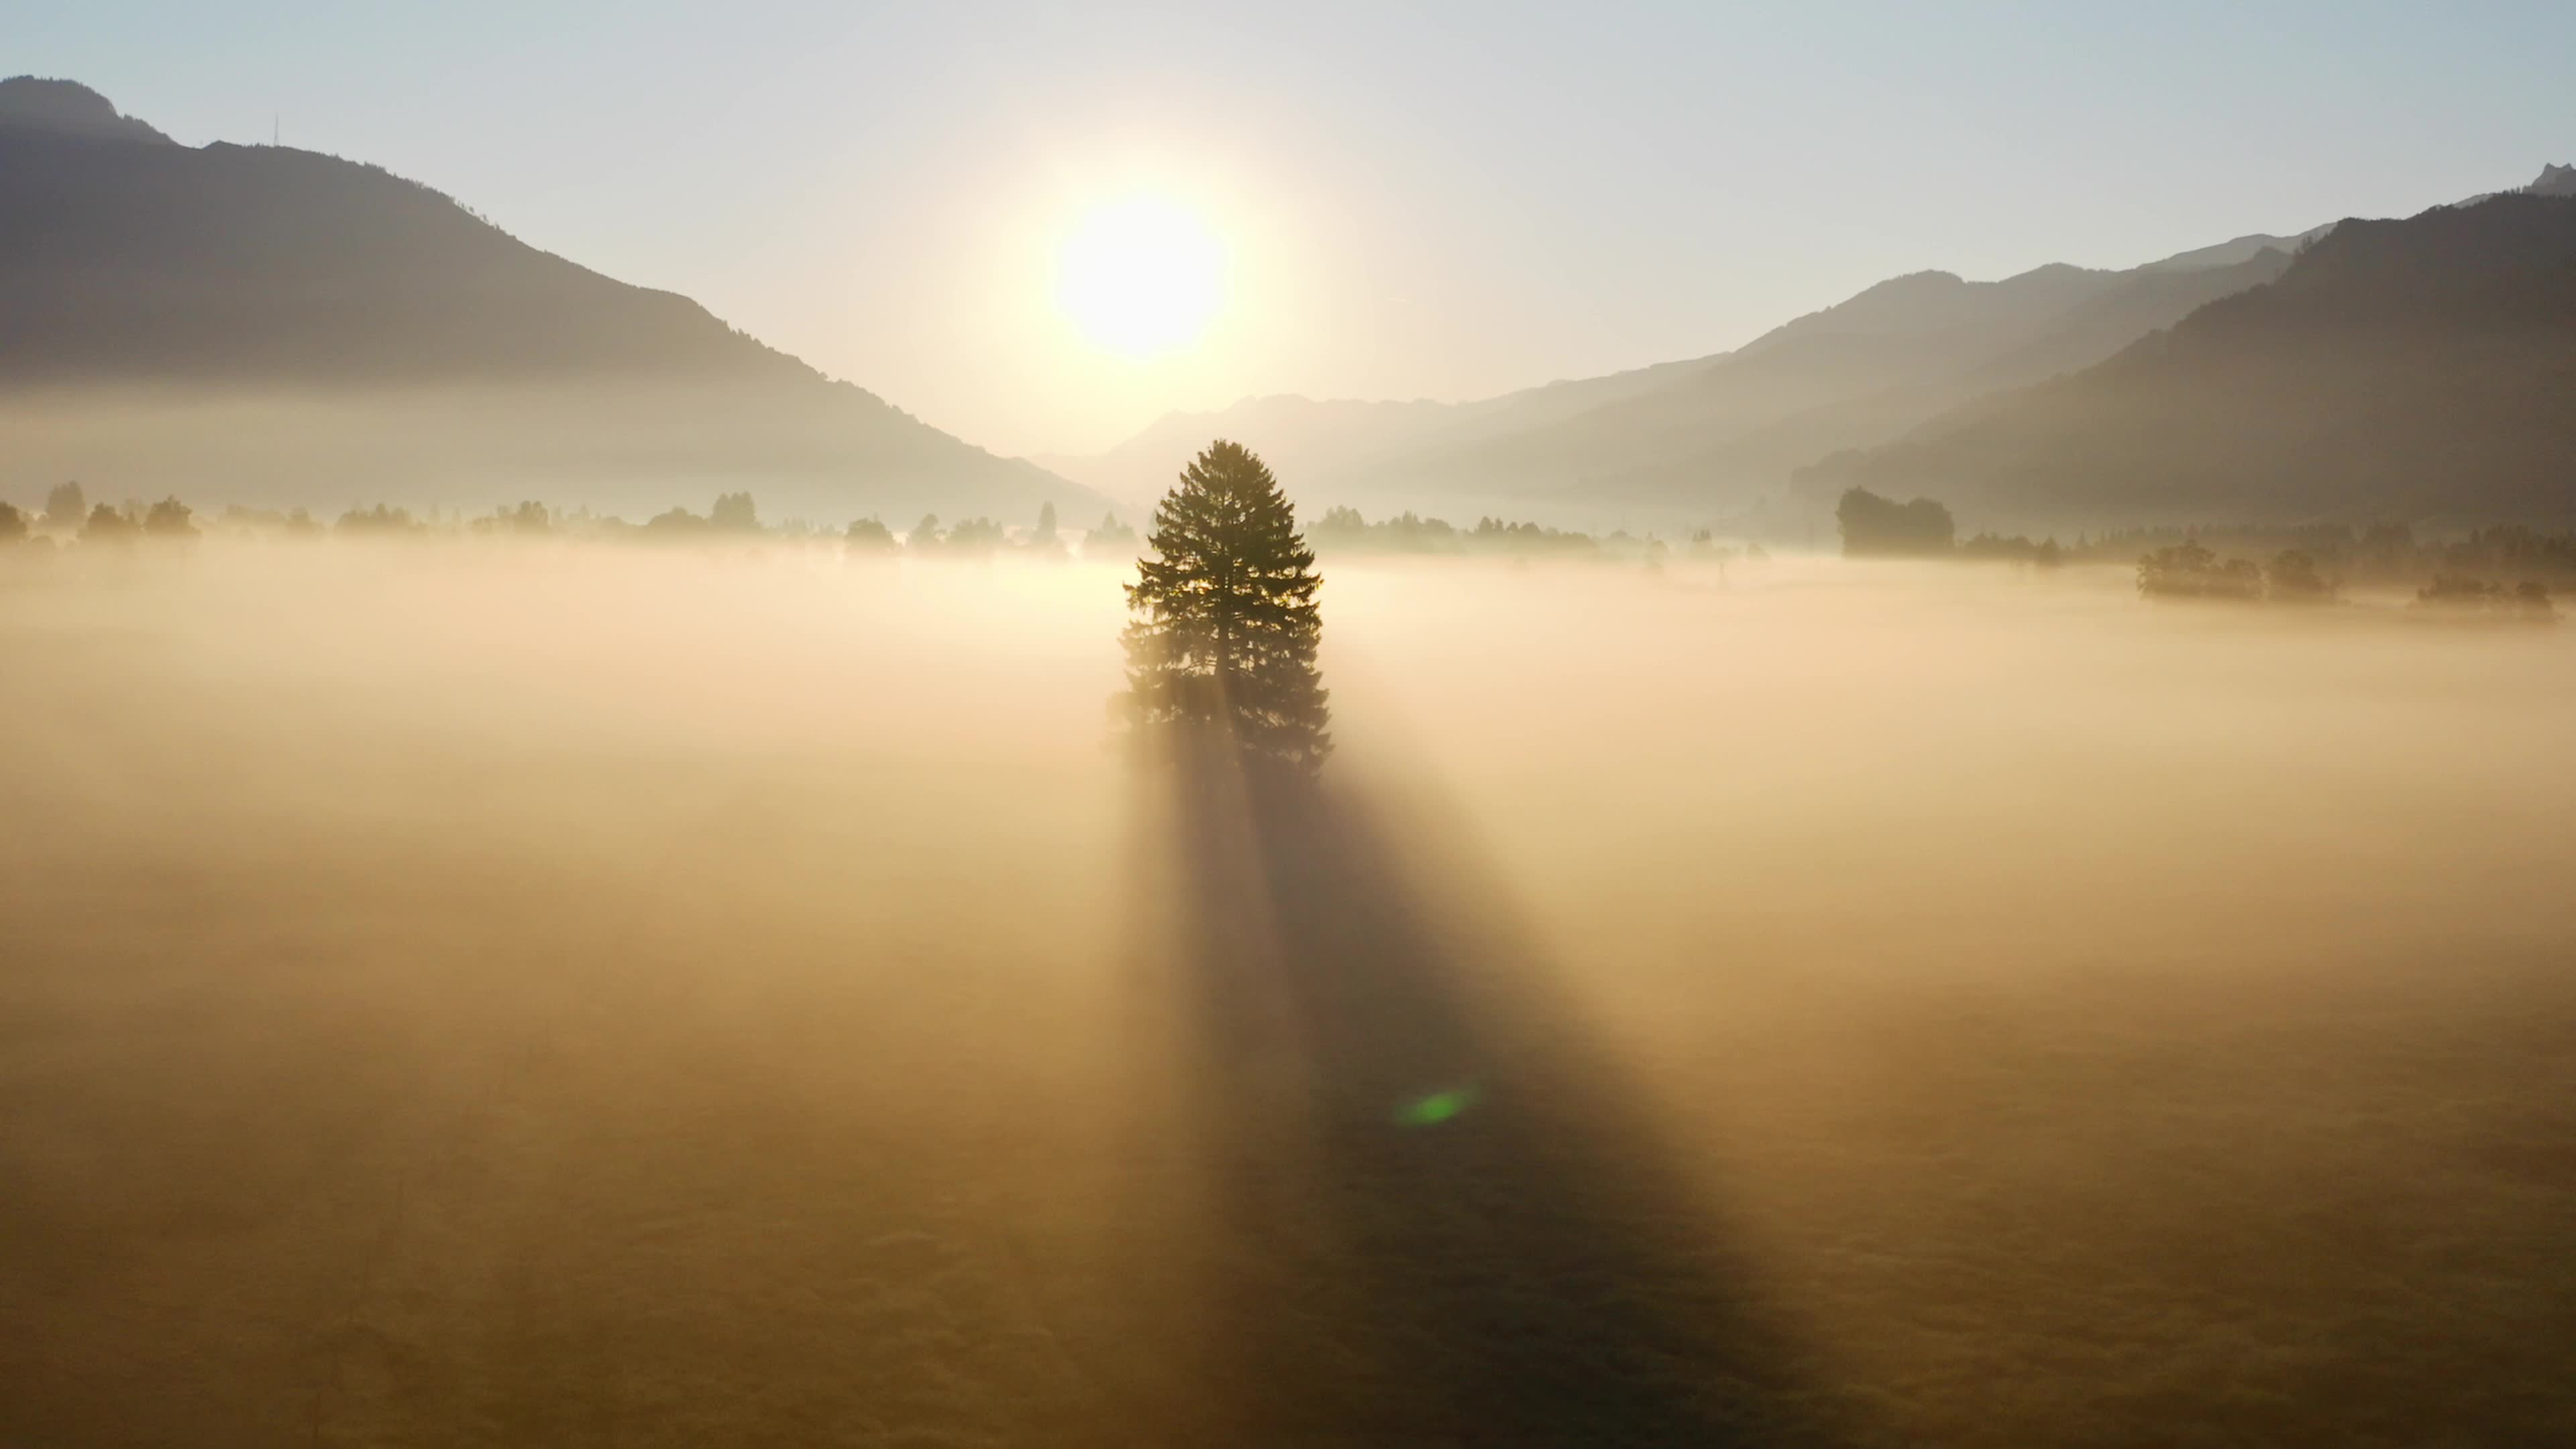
(2241, 249)
(2417, 369)
(1858, 373)
(1300, 438)
(1713, 433)
(1307, 441)
(67, 108)
(296, 327)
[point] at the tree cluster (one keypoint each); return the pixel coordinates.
(2460, 596)
(2188, 571)
(68, 513)
(970, 538)
(1111, 539)
(734, 514)
(870, 537)
(1876, 527)
(107, 524)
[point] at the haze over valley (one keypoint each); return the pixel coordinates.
(270, 322)
(869, 725)
(274, 325)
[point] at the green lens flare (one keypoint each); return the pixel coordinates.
(1437, 1108)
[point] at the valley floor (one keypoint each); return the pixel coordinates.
(507, 996)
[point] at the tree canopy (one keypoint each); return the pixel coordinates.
(2188, 571)
(66, 507)
(1882, 527)
(170, 518)
(108, 524)
(1226, 624)
(734, 513)
(1111, 539)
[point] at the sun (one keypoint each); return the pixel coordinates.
(1141, 277)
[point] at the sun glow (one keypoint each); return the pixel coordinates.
(1141, 277)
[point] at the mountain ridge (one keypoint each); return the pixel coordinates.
(1711, 434)
(2412, 369)
(68, 108)
(292, 279)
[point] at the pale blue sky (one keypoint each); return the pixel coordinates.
(1420, 200)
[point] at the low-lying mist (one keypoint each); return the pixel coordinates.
(510, 992)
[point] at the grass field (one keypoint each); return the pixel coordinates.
(571, 995)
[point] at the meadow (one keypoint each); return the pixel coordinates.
(485, 991)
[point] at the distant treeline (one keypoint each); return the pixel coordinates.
(68, 513)
(68, 516)
(2191, 570)
(1345, 530)
(2508, 566)
(2378, 553)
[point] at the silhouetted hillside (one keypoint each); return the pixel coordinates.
(2418, 369)
(1303, 437)
(1320, 446)
(1713, 432)
(67, 108)
(283, 319)
(2229, 253)
(1860, 373)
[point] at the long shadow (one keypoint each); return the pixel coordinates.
(1442, 1220)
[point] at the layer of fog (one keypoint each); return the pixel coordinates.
(627, 447)
(562, 989)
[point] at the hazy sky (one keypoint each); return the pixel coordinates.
(1413, 200)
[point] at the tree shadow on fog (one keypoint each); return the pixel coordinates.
(1439, 1221)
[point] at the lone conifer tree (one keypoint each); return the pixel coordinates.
(1223, 645)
